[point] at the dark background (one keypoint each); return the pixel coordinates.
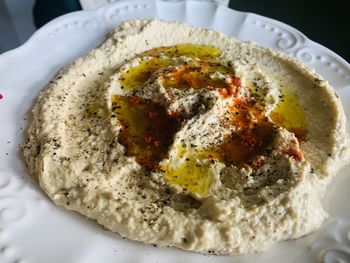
(325, 22)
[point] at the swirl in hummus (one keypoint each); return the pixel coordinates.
(175, 135)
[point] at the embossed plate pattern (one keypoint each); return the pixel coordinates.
(33, 230)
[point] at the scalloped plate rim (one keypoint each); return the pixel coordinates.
(47, 26)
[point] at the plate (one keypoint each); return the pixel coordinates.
(92, 4)
(34, 230)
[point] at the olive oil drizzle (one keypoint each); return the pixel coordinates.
(289, 115)
(148, 130)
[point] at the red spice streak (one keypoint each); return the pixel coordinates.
(195, 76)
(242, 147)
(253, 135)
(134, 100)
(147, 129)
(231, 89)
(295, 154)
(236, 81)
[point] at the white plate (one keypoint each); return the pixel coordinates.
(32, 229)
(93, 4)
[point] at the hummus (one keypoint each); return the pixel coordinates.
(180, 136)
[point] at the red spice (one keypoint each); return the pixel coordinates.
(157, 143)
(250, 140)
(223, 92)
(147, 130)
(243, 146)
(152, 114)
(241, 104)
(236, 81)
(196, 75)
(258, 162)
(246, 166)
(135, 100)
(211, 157)
(232, 90)
(295, 154)
(147, 139)
(176, 116)
(150, 140)
(229, 91)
